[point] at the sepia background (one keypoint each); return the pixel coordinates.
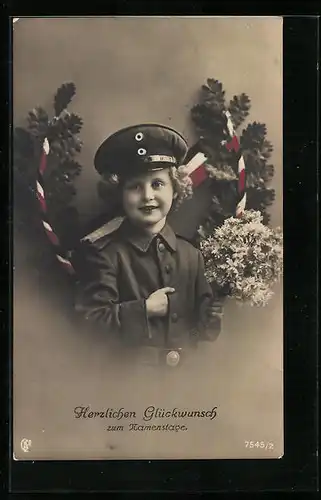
(127, 71)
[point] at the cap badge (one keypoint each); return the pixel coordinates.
(139, 136)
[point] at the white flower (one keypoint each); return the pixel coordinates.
(246, 255)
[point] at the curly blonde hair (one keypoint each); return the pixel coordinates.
(110, 186)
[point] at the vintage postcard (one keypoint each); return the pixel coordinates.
(148, 238)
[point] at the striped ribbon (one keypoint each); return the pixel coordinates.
(197, 170)
(234, 144)
(195, 165)
(51, 235)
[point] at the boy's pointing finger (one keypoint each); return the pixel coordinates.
(168, 289)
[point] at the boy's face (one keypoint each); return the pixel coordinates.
(147, 198)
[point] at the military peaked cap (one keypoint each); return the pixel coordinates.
(139, 149)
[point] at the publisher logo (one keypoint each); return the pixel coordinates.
(25, 445)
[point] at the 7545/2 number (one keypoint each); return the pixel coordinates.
(263, 445)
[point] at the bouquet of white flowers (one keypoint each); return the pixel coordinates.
(244, 257)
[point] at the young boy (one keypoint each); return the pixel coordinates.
(142, 283)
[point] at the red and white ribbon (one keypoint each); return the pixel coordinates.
(51, 235)
(196, 169)
(196, 165)
(234, 144)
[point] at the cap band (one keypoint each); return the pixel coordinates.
(161, 159)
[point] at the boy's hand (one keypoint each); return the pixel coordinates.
(157, 302)
(213, 312)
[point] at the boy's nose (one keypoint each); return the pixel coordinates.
(148, 192)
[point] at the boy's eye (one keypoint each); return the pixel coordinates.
(157, 184)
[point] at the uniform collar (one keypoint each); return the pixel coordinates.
(143, 241)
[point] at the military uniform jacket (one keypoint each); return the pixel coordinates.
(119, 271)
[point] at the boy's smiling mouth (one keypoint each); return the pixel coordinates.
(148, 208)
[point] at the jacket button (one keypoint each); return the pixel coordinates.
(172, 358)
(167, 269)
(161, 247)
(174, 317)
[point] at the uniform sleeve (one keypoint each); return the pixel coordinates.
(204, 297)
(97, 297)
